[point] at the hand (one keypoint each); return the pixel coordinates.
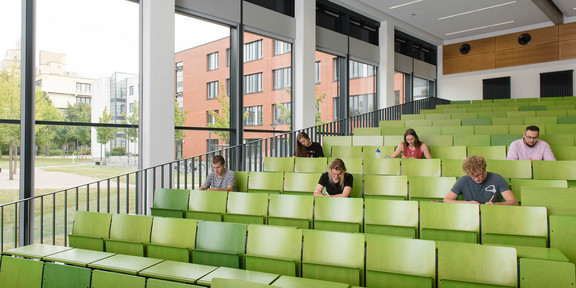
(473, 202)
(489, 203)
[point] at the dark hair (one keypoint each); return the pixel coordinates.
(301, 149)
(218, 159)
(417, 142)
(533, 128)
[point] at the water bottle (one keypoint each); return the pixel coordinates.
(377, 153)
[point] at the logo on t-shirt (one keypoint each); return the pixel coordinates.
(491, 189)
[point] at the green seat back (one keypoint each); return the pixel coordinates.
(207, 205)
(367, 131)
(514, 225)
(333, 256)
(518, 185)
(393, 140)
(129, 234)
(477, 121)
(535, 273)
(20, 272)
(452, 168)
(421, 167)
(553, 170)
(503, 140)
(430, 130)
(540, 121)
(449, 222)
(157, 283)
(370, 151)
(409, 262)
(566, 119)
(507, 121)
(89, 230)
(111, 279)
(310, 165)
(329, 141)
(429, 188)
(480, 109)
(353, 164)
(558, 201)
(392, 131)
(346, 151)
(278, 164)
(391, 217)
(412, 117)
(521, 113)
(437, 140)
(65, 276)
(554, 113)
(274, 249)
(563, 235)
(488, 152)
(558, 139)
(385, 187)
(448, 152)
(434, 115)
(391, 123)
(462, 115)
(338, 214)
(172, 239)
(268, 182)
(367, 140)
(561, 128)
(289, 281)
(472, 140)
(170, 202)
(475, 264)
(510, 169)
(491, 129)
(417, 122)
(291, 210)
(301, 183)
(237, 283)
(446, 122)
(457, 130)
(220, 244)
(241, 181)
(564, 152)
(246, 207)
(382, 166)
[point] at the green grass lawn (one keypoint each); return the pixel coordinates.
(45, 162)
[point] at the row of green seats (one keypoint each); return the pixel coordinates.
(479, 126)
(500, 107)
(353, 259)
(493, 120)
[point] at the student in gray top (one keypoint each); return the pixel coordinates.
(479, 186)
(221, 179)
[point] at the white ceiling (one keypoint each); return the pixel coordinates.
(454, 19)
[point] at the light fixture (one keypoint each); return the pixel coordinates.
(477, 10)
(405, 4)
(478, 28)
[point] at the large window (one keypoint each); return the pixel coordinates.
(362, 87)
(281, 47)
(212, 60)
(360, 70)
(282, 78)
(253, 51)
(282, 113)
(212, 88)
(253, 83)
(210, 119)
(253, 116)
(317, 72)
(423, 88)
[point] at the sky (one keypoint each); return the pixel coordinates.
(98, 37)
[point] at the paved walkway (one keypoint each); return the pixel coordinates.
(46, 180)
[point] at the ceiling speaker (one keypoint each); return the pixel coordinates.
(465, 48)
(524, 39)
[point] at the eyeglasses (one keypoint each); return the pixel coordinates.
(531, 138)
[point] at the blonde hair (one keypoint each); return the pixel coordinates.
(338, 164)
(474, 164)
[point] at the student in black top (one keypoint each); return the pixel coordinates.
(338, 183)
(307, 148)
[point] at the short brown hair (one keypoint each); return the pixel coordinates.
(474, 164)
(218, 159)
(533, 128)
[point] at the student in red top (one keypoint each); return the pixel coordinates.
(412, 147)
(307, 148)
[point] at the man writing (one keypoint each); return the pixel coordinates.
(221, 179)
(480, 186)
(529, 147)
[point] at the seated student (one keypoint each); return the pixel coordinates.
(307, 148)
(529, 148)
(338, 183)
(221, 179)
(411, 147)
(479, 186)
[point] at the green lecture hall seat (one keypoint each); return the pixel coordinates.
(20, 272)
(278, 164)
(267, 182)
(129, 234)
(452, 168)
(386, 132)
(554, 170)
(518, 185)
(417, 122)
(394, 140)
(434, 116)
(367, 140)
(412, 117)
(557, 200)
(249, 208)
(353, 164)
(536, 273)
(540, 121)
(488, 152)
(391, 123)
(428, 131)
(158, 283)
(504, 140)
(347, 151)
(472, 140)
(367, 131)
(449, 222)
(338, 214)
(448, 152)
(170, 202)
(476, 121)
(437, 140)
(475, 265)
(425, 188)
(172, 239)
(563, 153)
(89, 230)
(333, 256)
(420, 167)
(385, 187)
(206, 205)
(220, 244)
(176, 271)
(391, 217)
(116, 280)
(507, 121)
(311, 165)
(78, 257)
(520, 113)
(382, 166)
(241, 181)
(291, 210)
(399, 262)
(65, 276)
(563, 235)
(329, 141)
(457, 130)
(274, 249)
(514, 225)
(238, 274)
(491, 129)
(446, 122)
(301, 183)
(567, 120)
(297, 282)
(510, 169)
(235, 283)
(558, 139)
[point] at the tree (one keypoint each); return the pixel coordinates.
(10, 109)
(45, 110)
(131, 133)
(105, 134)
(79, 112)
(179, 120)
(222, 119)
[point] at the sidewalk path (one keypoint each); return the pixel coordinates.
(46, 180)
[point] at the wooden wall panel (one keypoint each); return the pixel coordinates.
(527, 55)
(539, 36)
(567, 31)
(469, 64)
(568, 50)
(480, 46)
